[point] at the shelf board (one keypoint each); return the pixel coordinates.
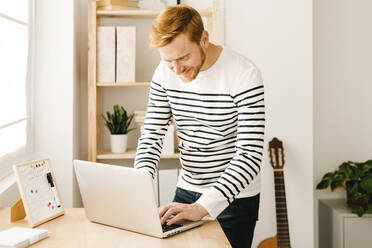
(123, 84)
(141, 13)
(130, 154)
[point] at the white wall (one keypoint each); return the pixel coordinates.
(54, 90)
(77, 201)
(342, 88)
(277, 36)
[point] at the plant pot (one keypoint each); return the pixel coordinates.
(119, 143)
(354, 203)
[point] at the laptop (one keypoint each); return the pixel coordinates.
(123, 197)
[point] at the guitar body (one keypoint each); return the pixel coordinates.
(269, 243)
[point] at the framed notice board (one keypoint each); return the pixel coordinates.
(39, 192)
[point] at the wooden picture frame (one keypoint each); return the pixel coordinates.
(39, 191)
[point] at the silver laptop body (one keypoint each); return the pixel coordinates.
(121, 197)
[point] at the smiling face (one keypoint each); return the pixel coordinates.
(183, 57)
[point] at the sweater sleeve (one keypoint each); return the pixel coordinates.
(158, 117)
(248, 97)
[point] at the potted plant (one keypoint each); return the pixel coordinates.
(356, 179)
(118, 124)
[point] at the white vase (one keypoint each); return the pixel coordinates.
(119, 143)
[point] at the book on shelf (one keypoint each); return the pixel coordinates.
(117, 4)
(139, 116)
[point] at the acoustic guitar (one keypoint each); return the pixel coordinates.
(281, 240)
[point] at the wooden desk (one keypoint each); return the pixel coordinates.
(74, 230)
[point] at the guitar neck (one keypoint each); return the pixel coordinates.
(281, 210)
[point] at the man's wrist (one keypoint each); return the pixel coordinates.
(203, 212)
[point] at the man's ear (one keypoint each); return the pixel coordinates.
(204, 40)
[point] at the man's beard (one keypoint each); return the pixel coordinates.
(196, 69)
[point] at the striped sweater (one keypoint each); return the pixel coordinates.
(220, 120)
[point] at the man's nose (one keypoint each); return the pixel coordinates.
(176, 67)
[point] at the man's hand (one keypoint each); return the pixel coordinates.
(181, 211)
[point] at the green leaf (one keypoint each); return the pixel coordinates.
(323, 184)
(335, 185)
(108, 116)
(326, 180)
(358, 210)
(129, 120)
(366, 184)
(354, 188)
(357, 196)
(364, 198)
(328, 175)
(362, 169)
(368, 162)
(337, 181)
(366, 168)
(104, 118)
(110, 127)
(355, 173)
(120, 119)
(345, 168)
(353, 195)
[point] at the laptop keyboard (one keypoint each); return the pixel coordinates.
(167, 228)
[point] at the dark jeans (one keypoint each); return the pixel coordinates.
(238, 220)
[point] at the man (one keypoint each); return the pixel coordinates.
(216, 97)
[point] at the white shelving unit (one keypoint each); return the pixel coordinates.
(340, 228)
